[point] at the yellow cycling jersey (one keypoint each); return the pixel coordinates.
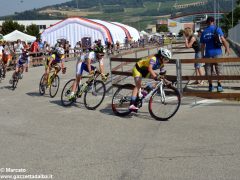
(56, 58)
(145, 62)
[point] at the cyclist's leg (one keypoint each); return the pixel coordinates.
(57, 68)
(138, 81)
(48, 68)
(101, 68)
(79, 71)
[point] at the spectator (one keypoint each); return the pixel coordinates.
(18, 47)
(212, 51)
(40, 44)
(67, 48)
(34, 48)
(192, 41)
(77, 49)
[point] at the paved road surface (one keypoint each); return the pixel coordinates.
(201, 142)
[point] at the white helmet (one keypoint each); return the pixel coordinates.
(60, 50)
(165, 53)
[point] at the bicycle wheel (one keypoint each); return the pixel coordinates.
(42, 87)
(94, 95)
(53, 89)
(121, 100)
(163, 108)
(14, 83)
(66, 93)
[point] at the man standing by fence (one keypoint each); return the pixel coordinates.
(213, 49)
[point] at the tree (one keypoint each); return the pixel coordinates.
(9, 26)
(32, 30)
(162, 28)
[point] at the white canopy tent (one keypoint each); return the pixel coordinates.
(15, 35)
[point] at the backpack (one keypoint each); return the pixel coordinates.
(217, 39)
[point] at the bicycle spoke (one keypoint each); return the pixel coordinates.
(121, 100)
(54, 85)
(163, 106)
(94, 95)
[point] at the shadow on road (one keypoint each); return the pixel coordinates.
(141, 115)
(76, 104)
(6, 87)
(35, 94)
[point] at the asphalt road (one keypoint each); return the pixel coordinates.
(202, 141)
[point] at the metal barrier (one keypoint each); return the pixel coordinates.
(179, 78)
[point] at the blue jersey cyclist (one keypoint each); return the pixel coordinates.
(21, 64)
(145, 68)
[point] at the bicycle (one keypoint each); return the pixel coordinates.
(18, 75)
(94, 91)
(164, 100)
(52, 83)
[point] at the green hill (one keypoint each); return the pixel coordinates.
(137, 13)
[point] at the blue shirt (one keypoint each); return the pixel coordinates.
(207, 39)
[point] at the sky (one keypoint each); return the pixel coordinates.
(8, 7)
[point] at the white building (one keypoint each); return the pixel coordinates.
(42, 24)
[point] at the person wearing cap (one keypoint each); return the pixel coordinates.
(210, 50)
(192, 41)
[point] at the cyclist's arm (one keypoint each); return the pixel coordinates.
(150, 70)
(49, 64)
(89, 65)
(62, 63)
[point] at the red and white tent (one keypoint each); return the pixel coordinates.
(75, 28)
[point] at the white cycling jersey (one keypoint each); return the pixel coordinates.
(86, 56)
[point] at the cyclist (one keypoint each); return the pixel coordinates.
(84, 63)
(21, 65)
(145, 68)
(53, 60)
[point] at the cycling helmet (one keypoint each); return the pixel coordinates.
(165, 53)
(60, 50)
(99, 50)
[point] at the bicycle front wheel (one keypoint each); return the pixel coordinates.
(65, 96)
(94, 95)
(14, 83)
(53, 89)
(163, 106)
(42, 86)
(121, 100)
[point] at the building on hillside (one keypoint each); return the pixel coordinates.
(42, 24)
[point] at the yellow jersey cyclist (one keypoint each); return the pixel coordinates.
(52, 62)
(84, 64)
(145, 68)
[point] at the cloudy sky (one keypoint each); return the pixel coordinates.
(8, 7)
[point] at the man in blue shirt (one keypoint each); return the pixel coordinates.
(212, 51)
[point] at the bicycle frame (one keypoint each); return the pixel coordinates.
(158, 86)
(91, 79)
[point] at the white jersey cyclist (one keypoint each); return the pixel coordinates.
(85, 61)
